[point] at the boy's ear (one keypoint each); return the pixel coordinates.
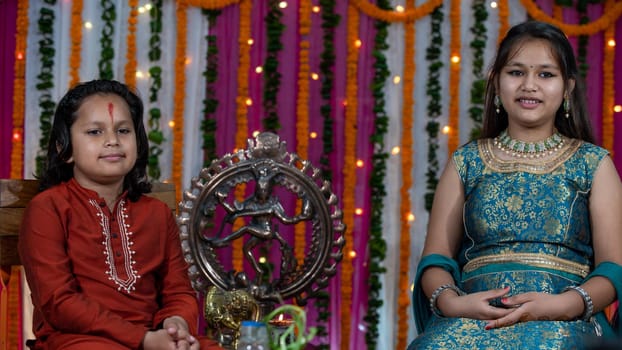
(58, 150)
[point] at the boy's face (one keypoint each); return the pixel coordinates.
(103, 141)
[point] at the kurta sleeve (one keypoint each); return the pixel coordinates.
(56, 294)
(178, 297)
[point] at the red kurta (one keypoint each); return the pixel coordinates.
(92, 272)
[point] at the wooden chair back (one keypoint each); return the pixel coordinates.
(15, 195)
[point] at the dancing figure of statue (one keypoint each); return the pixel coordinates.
(262, 206)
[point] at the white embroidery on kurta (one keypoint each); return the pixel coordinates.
(128, 253)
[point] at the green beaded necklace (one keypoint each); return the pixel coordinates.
(517, 148)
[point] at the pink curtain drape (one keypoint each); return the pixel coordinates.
(8, 9)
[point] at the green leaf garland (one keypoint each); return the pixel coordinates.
(377, 243)
(45, 80)
(435, 109)
(109, 15)
(272, 77)
(330, 21)
(155, 135)
(478, 46)
(210, 103)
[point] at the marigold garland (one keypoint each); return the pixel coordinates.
(348, 171)
(608, 83)
(410, 14)
(76, 42)
(302, 112)
(19, 90)
(504, 19)
(241, 135)
(607, 19)
(178, 109)
(406, 152)
(130, 65)
(454, 77)
(209, 4)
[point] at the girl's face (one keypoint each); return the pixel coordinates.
(531, 86)
(103, 141)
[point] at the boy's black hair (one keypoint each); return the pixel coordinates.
(57, 169)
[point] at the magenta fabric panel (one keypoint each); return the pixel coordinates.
(362, 193)
(594, 78)
(7, 74)
(226, 30)
(617, 117)
(336, 159)
(258, 57)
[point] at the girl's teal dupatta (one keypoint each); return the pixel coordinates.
(612, 272)
(421, 304)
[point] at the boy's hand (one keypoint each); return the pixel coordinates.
(177, 328)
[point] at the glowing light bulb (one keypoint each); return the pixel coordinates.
(283, 4)
(360, 163)
(352, 254)
(258, 69)
(358, 211)
(315, 76)
(397, 79)
(255, 133)
(395, 150)
(446, 129)
(493, 4)
(455, 59)
(250, 41)
(315, 9)
(617, 108)
(313, 134)
(399, 8)
(249, 102)
(171, 124)
(611, 42)
(358, 43)
(410, 217)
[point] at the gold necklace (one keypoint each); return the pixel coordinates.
(522, 149)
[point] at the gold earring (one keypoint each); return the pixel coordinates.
(497, 102)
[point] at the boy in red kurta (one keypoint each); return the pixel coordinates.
(103, 261)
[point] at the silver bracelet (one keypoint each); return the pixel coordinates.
(587, 301)
(437, 292)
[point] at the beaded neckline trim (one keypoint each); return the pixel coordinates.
(518, 148)
(535, 165)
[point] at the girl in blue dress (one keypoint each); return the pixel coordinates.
(524, 244)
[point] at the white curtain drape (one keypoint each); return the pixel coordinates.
(192, 160)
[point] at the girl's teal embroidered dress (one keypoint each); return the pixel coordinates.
(526, 226)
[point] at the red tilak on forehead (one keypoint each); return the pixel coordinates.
(110, 112)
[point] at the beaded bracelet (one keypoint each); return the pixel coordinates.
(437, 292)
(587, 300)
